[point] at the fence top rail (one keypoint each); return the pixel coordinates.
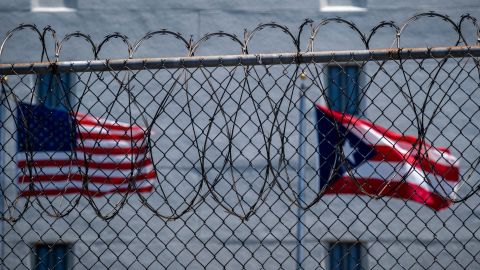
(241, 59)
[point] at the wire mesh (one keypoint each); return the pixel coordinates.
(243, 161)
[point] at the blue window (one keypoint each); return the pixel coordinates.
(52, 257)
(343, 88)
(54, 90)
(345, 256)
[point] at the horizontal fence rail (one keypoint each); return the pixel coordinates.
(305, 159)
(245, 60)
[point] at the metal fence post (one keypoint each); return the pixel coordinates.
(301, 171)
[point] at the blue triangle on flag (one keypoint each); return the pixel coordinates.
(330, 139)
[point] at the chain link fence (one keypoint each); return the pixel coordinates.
(361, 159)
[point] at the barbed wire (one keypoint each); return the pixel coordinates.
(276, 173)
(192, 46)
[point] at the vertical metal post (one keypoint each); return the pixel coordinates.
(301, 172)
(3, 80)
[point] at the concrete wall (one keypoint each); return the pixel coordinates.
(396, 234)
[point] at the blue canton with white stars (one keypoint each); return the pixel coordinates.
(42, 129)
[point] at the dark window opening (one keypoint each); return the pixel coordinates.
(343, 89)
(345, 256)
(52, 256)
(53, 90)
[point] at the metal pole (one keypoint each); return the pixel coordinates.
(3, 79)
(241, 59)
(301, 172)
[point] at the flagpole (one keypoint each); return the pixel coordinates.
(301, 172)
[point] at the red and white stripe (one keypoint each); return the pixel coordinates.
(109, 156)
(400, 168)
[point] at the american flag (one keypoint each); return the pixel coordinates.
(55, 147)
(382, 162)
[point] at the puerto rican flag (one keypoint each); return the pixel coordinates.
(382, 162)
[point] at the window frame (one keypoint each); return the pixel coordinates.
(325, 6)
(63, 6)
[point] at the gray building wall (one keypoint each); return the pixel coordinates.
(396, 234)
